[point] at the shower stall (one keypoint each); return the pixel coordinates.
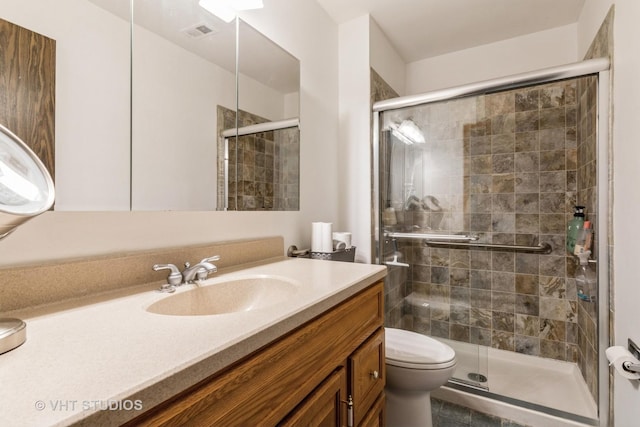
(474, 187)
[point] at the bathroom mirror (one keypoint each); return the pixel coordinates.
(143, 138)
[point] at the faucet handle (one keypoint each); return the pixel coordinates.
(174, 278)
(211, 259)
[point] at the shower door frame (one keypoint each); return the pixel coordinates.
(599, 67)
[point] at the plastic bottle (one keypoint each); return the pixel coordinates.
(575, 225)
(586, 280)
(583, 239)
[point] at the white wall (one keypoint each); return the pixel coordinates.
(92, 99)
(354, 158)
(386, 60)
(313, 38)
(526, 53)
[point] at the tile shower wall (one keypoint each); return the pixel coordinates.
(507, 166)
(267, 175)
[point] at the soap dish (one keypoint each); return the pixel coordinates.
(13, 333)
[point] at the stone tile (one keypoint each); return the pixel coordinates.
(440, 329)
(527, 100)
(552, 287)
(527, 345)
(527, 203)
(527, 121)
(503, 261)
(503, 222)
(552, 96)
(527, 263)
(503, 301)
(503, 340)
(527, 284)
(527, 223)
(480, 317)
(553, 330)
(552, 118)
(503, 282)
(503, 163)
(478, 419)
(459, 277)
(459, 258)
(440, 275)
(527, 325)
(480, 203)
(459, 296)
(553, 181)
(459, 332)
(552, 203)
(503, 143)
(552, 350)
(439, 293)
(553, 160)
(480, 260)
(558, 309)
(527, 141)
(527, 182)
(503, 183)
(439, 257)
(480, 184)
(499, 103)
(552, 139)
(459, 314)
(527, 161)
(480, 164)
(480, 298)
(503, 238)
(552, 265)
(479, 145)
(527, 304)
(503, 123)
(480, 336)
(552, 223)
(480, 222)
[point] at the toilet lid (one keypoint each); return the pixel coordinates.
(404, 348)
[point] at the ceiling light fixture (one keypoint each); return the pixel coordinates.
(228, 9)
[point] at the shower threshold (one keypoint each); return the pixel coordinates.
(545, 385)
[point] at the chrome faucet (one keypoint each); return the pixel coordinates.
(174, 279)
(199, 271)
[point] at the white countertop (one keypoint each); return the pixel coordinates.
(106, 361)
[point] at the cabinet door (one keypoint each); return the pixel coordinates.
(376, 415)
(324, 406)
(367, 374)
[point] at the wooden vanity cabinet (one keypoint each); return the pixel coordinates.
(327, 372)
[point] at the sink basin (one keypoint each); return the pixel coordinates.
(222, 296)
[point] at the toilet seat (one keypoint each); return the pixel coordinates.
(407, 349)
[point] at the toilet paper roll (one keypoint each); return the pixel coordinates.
(316, 237)
(327, 241)
(617, 355)
(343, 236)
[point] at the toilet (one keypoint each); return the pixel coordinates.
(416, 365)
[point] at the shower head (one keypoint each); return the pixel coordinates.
(407, 132)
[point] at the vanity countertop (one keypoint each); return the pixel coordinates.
(107, 360)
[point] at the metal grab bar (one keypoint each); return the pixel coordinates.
(432, 236)
(543, 248)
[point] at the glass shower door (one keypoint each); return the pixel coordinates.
(422, 196)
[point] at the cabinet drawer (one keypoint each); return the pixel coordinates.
(367, 368)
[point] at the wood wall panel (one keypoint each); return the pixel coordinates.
(27, 88)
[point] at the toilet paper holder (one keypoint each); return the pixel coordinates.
(635, 350)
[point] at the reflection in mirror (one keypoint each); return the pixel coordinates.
(183, 62)
(89, 102)
(263, 172)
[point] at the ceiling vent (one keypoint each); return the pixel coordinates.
(199, 31)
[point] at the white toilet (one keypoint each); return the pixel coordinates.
(416, 365)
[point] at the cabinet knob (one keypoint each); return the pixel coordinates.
(375, 375)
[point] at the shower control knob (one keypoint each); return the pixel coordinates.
(375, 375)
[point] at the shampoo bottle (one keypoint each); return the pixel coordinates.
(575, 225)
